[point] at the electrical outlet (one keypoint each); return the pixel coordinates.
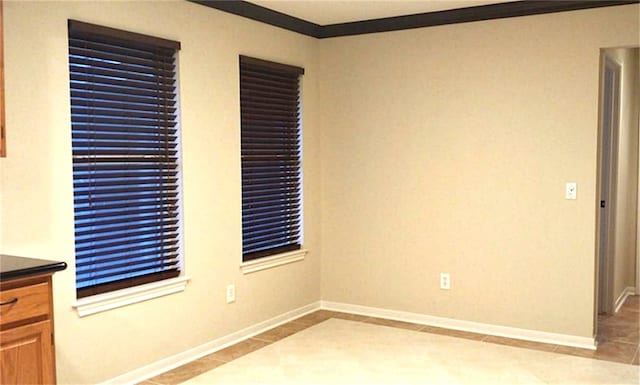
(445, 281)
(231, 293)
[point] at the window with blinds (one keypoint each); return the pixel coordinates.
(271, 158)
(124, 127)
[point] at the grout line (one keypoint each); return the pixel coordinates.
(263, 340)
(623, 342)
(155, 382)
(259, 339)
(219, 360)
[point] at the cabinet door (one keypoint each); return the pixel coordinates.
(26, 355)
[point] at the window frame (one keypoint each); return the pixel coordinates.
(280, 79)
(160, 125)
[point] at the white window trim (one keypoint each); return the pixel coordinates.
(271, 262)
(119, 298)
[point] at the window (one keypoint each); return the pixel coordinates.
(125, 158)
(271, 158)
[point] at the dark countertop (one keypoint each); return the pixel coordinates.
(12, 267)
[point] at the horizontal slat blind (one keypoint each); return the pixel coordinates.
(125, 158)
(271, 158)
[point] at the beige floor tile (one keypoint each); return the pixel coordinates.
(350, 317)
(619, 331)
(281, 332)
(393, 323)
(186, 371)
(238, 350)
(520, 343)
(628, 316)
(315, 317)
(618, 321)
(607, 350)
(347, 353)
(453, 333)
(630, 309)
(632, 300)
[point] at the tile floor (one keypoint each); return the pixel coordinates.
(618, 340)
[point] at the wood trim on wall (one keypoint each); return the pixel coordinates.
(420, 20)
(262, 14)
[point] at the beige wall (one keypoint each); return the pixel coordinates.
(443, 149)
(37, 197)
(627, 173)
(447, 149)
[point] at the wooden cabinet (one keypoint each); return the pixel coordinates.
(26, 353)
(26, 331)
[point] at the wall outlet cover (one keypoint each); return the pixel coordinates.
(445, 281)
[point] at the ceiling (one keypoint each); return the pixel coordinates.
(333, 18)
(326, 12)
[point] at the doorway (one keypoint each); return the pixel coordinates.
(618, 183)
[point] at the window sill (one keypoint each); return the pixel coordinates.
(103, 302)
(270, 262)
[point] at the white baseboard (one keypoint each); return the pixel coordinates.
(468, 326)
(623, 297)
(166, 364)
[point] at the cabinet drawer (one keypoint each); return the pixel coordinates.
(24, 302)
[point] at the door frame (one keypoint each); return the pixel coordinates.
(638, 195)
(606, 184)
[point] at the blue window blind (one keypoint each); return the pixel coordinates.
(270, 157)
(124, 128)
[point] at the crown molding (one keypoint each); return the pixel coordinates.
(264, 15)
(420, 20)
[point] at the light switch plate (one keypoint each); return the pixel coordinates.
(231, 293)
